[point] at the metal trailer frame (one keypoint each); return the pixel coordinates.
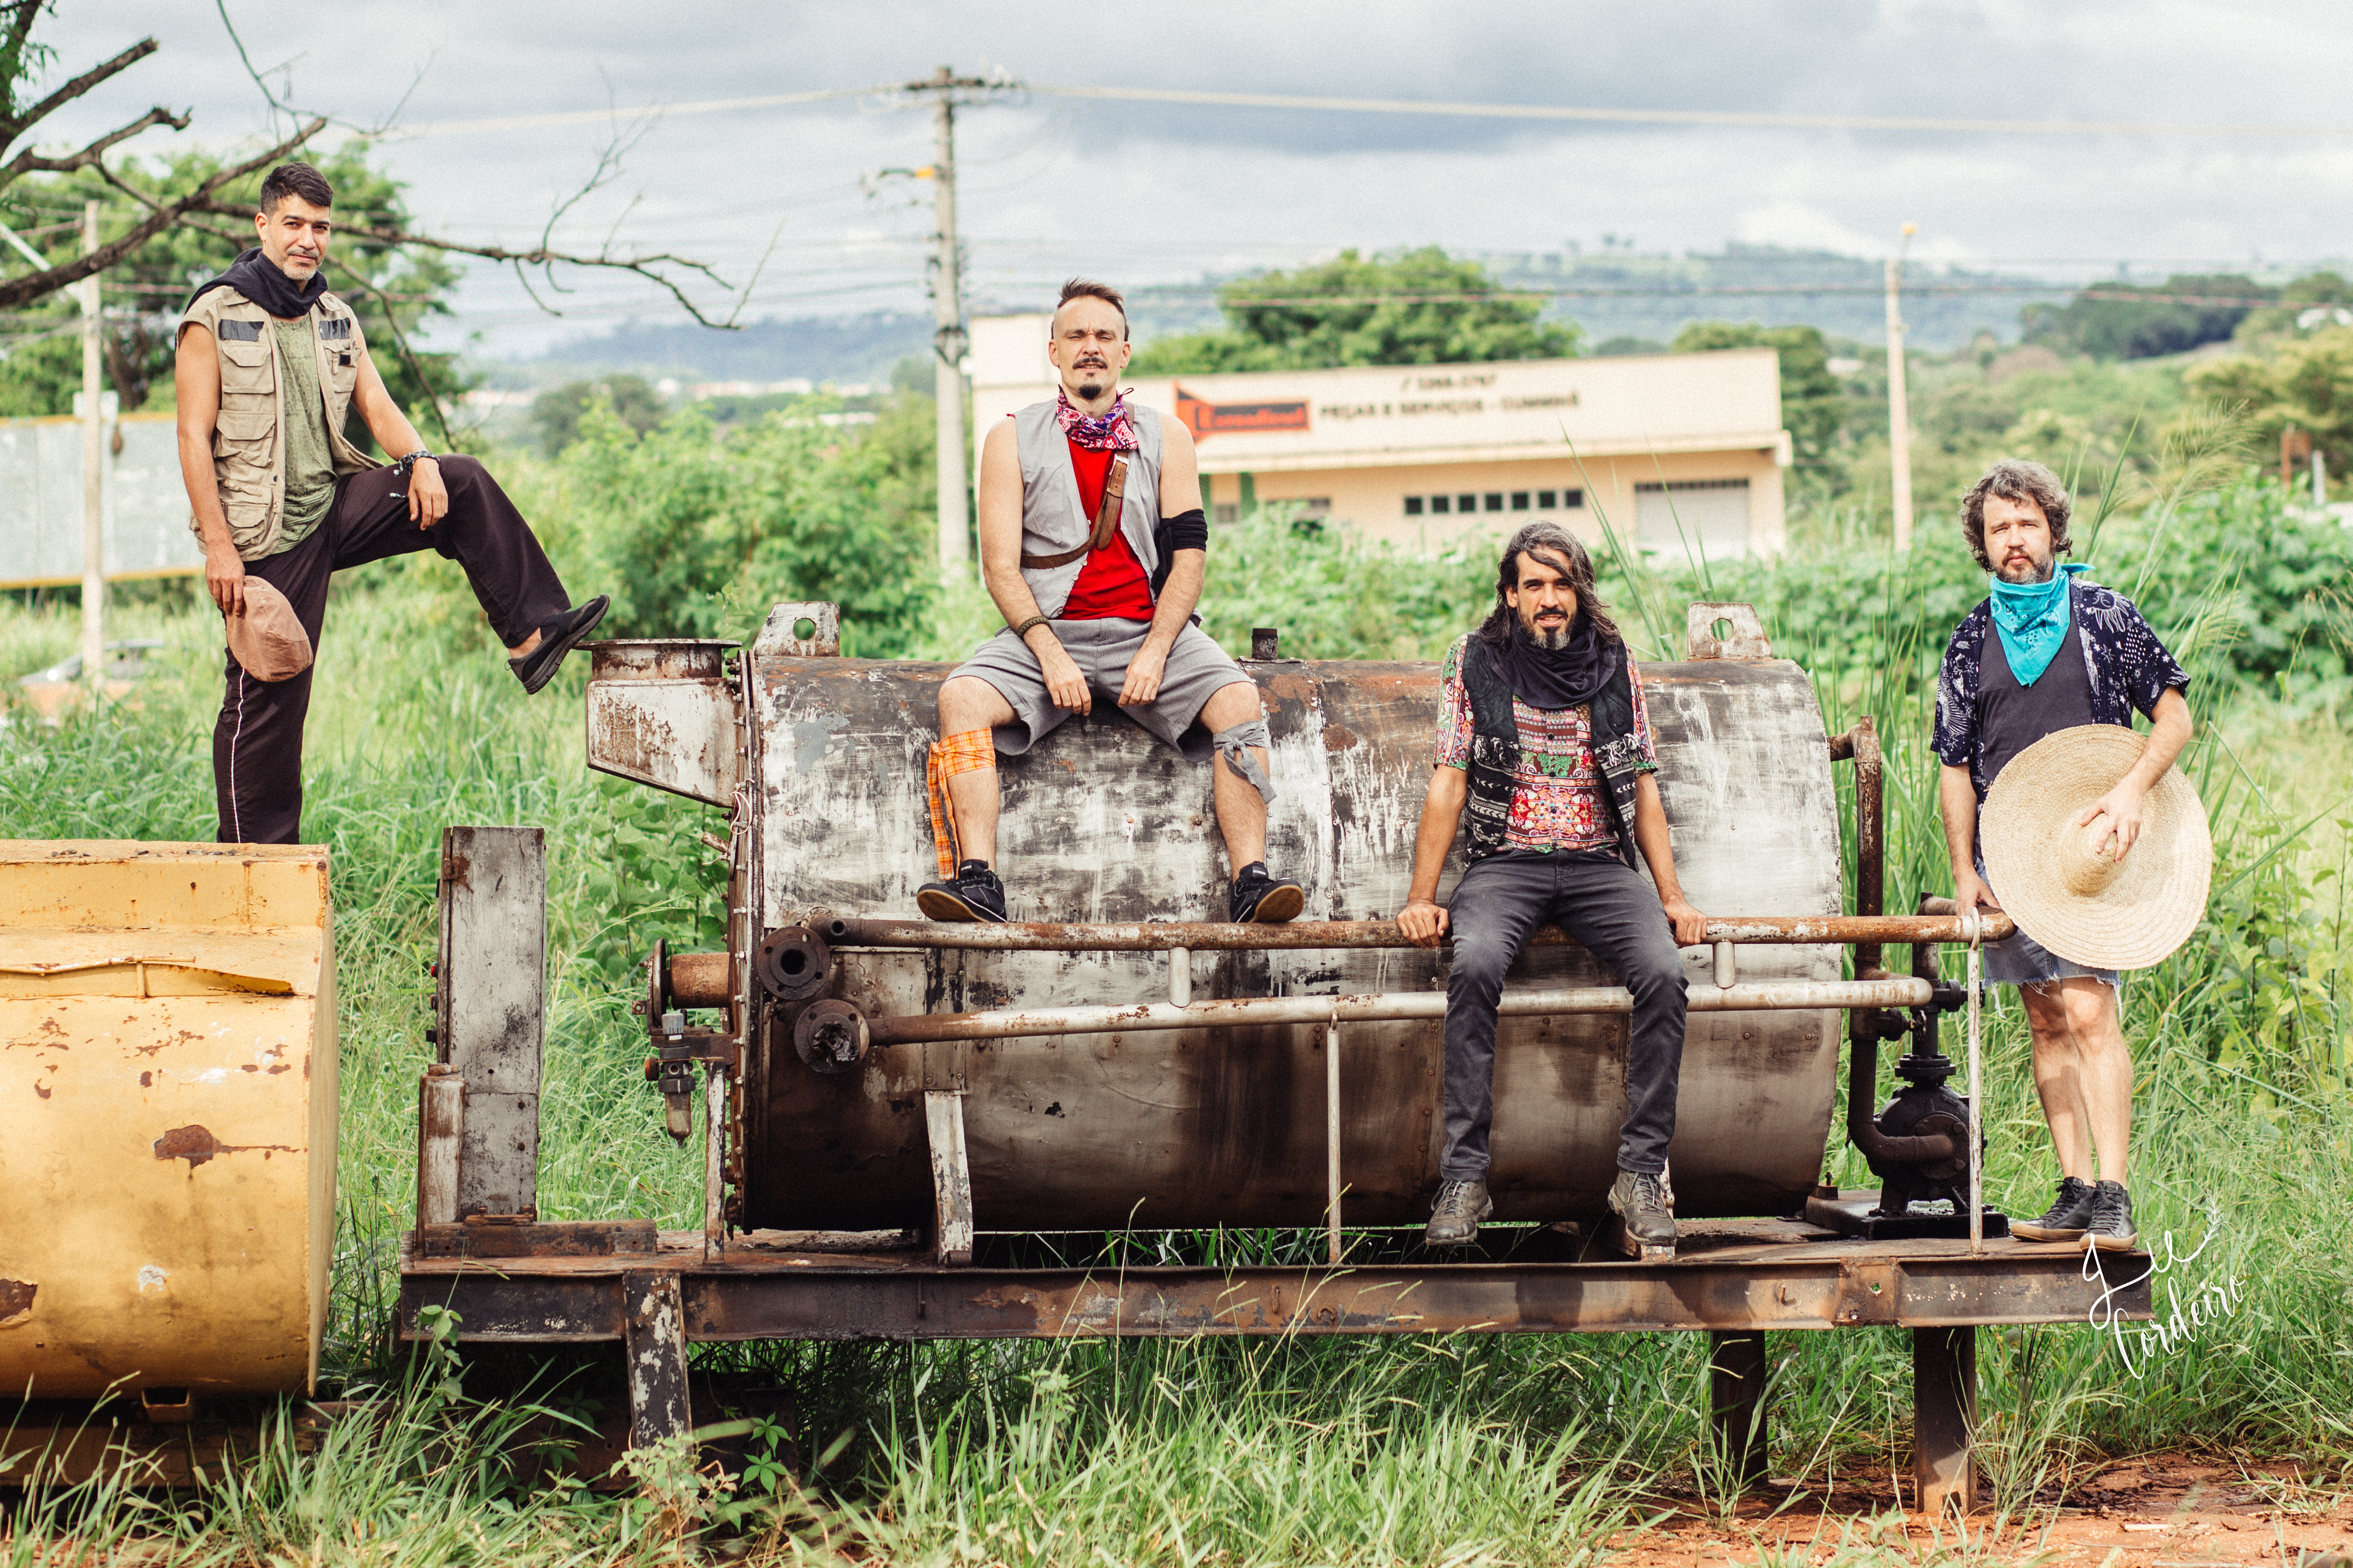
(513, 1280)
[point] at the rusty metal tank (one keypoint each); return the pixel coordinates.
(167, 1044)
(821, 760)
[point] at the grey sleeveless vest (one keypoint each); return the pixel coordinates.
(1053, 521)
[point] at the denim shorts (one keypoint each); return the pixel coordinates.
(2020, 960)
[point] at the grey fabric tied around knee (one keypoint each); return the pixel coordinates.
(1234, 745)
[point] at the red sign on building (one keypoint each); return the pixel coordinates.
(1213, 418)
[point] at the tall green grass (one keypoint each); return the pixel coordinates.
(1311, 1450)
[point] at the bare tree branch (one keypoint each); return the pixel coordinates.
(12, 128)
(29, 162)
(409, 355)
(161, 216)
(646, 267)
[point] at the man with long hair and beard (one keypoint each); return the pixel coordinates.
(1544, 735)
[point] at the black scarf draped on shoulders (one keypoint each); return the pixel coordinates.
(1567, 677)
(256, 277)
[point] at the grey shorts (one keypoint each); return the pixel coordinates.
(2020, 960)
(1197, 669)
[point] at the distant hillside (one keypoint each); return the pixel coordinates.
(1654, 297)
(817, 348)
(1639, 298)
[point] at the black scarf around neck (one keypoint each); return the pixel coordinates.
(1567, 677)
(256, 277)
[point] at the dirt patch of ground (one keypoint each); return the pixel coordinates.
(2162, 1511)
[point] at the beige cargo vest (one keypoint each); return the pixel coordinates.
(249, 434)
(1053, 520)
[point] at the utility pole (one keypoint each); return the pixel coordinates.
(1899, 417)
(945, 88)
(93, 476)
(948, 337)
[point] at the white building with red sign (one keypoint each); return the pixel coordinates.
(1679, 450)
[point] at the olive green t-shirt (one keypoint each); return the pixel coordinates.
(310, 458)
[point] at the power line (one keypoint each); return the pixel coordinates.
(1692, 116)
(1441, 108)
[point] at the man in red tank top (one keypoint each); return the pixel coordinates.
(1097, 583)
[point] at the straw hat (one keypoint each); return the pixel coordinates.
(2079, 902)
(267, 638)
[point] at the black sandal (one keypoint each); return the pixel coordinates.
(556, 639)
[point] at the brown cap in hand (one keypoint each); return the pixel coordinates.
(267, 639)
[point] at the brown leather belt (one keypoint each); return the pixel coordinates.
(1106, 522)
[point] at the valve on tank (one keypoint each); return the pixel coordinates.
(677, 1045)
(1919, 1144)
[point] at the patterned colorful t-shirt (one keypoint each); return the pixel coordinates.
(1556, 793)
(2129, 667)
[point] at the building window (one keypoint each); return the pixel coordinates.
(1546, 498)
(1413, 506)
(1466, 503)
(1438, 504)
(1495, 500)
(1228, 512)
(1316, 506)
(1519, 500)
(1571, 500)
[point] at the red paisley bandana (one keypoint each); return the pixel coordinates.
(1112, 432)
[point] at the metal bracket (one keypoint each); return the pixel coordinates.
(1746, 633)
(947, 1066)
(780, 637)
(1870, 1291)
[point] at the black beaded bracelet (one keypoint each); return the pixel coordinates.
(1021, 632)
(406, 464)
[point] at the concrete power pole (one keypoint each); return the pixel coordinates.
(1899, 417)
(948, 337)
(93, 474)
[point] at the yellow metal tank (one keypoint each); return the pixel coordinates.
(168, 1053)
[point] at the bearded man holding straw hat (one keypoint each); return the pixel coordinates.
(2058, 814)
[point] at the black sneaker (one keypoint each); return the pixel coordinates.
(2110, 1226)
(2064, 1220)
(1647, 1227)
(975, 894)
(558, 638)
(1455, 1213)
(1260, 899)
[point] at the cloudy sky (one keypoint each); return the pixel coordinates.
(1162, 192)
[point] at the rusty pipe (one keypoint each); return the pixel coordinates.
(1894, 991)
(698, 979)
(1042, 936)
(1862, 745)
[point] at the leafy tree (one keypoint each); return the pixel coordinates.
(1415, 307)
(699, 531)
(2306, 382)
(393, 289)
(1813, 401)
(2323, 289)
(2183, 311)
(555, 414)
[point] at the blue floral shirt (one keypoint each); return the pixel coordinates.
(2129, 670)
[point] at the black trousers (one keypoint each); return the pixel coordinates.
(258, 740)
(1603, 903)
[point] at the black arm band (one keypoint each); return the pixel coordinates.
(1188, 530)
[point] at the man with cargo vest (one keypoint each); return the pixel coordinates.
(1093, 546)
(1544, 734)
(270, 366)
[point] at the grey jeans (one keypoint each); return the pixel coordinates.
(1607, 906)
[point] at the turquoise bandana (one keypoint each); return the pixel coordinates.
(2032, 618)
